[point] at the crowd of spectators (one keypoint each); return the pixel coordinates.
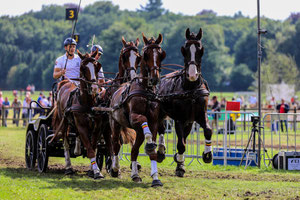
(20, 107)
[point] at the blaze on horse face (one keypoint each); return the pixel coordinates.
(89, 69)
(153, 55)
(130, 57)
(192, 52)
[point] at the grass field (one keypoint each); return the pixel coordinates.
(200, 182)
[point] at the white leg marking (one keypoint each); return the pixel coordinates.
(116, 164)
(180, 157)
(134, 171)
(67, 154)
(161, 143)
(77, 150)
(154, 172)
(207, 147)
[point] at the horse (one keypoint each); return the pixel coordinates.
(73, 110)
(129, 60)
(134, 105)
(184, 96)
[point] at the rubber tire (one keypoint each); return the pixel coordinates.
(42, 148)
(30, 149)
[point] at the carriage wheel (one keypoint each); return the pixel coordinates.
(30, 150)
(42, 151)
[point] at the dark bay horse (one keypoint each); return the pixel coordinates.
(135, 106)
(73, 109)
(184, 96)
(129, 60)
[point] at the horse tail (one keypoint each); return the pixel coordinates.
(128, 135)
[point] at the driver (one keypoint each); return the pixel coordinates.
(72, 69)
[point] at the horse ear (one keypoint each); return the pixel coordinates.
(187, 33)
(123, 41)
(137, 42)
(94, 54)
(145, 39)
(80, 55)
(183, 51)
(159, 39)
(199, 35)
(162, 56)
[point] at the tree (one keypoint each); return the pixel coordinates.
(153, 9)
(241, 77)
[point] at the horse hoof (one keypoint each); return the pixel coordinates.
(137, 179)
(156, 183)
(150, 148)
(207, 157)
(160, 157)
(113, 173)
(98, 175)
(139, 166)
(69, 171)
(90, 173)
(179, 173)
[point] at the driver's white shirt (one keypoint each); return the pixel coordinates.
(72, 68)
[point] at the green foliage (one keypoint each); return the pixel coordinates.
(30, 43)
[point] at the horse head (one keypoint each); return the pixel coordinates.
(152, 57)
(192, 52)
(89, 69)
(129, 59)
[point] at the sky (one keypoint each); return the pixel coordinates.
(274, 9)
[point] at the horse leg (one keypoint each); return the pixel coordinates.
(108, 143)
(134, 154)
(140, 121)
(68, 166)
(161, 142)
(204, 123)
(83, 131)
(116, 130)
(182, 131)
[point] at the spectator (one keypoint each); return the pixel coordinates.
(15, 93)
(41, 102)
(1, 101)
(223, 103)
(215, 108)
(16, 104)
(283, 108)
(25, 111)
(253, 101)
(49, 98)
(45, 101)
(5, 106)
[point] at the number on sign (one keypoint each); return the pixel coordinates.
(71, 13)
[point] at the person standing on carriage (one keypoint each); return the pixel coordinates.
(71, 70)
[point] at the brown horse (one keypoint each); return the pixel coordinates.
(73, 109)
(129, 60)
(184, 96)
(135, 106)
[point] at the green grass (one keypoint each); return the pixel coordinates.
(200, 182)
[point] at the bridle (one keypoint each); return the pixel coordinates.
(153, 68)
(128, 70)
(198, 44)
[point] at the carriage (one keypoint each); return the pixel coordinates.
(38, 148)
